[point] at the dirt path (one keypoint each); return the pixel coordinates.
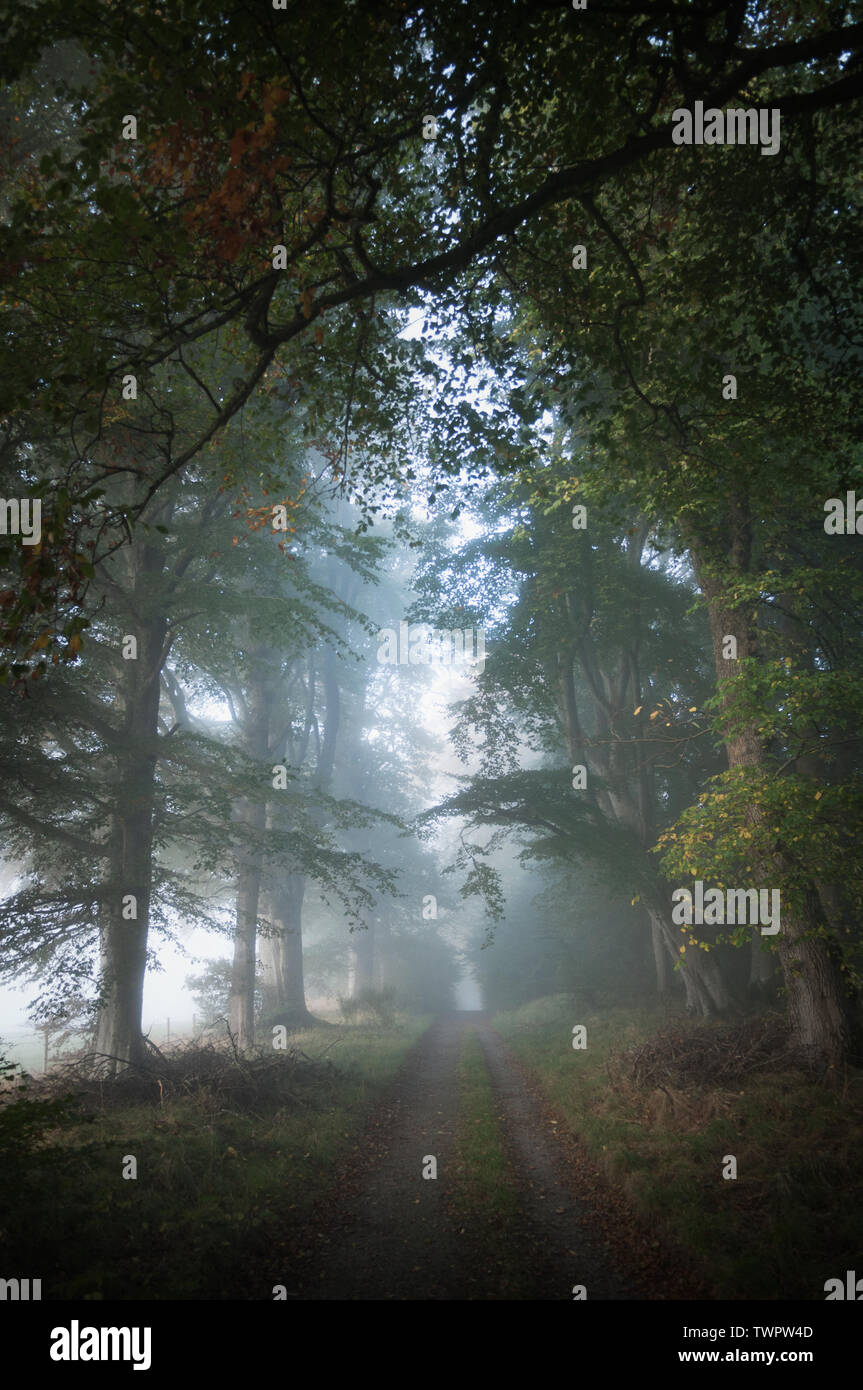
(390, 1234)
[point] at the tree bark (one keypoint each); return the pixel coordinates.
(283, 951)
(248, 863)
(123, 936)
(624, 799)
(819, 1008)
(761, 970)
(242, 1009)
(707, 993)
(363, 959)
(660, 960)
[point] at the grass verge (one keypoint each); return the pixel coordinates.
(485, 1180)
(484, 1197)
(791, 1219)
(214, 1186)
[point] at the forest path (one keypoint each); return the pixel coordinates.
(389, 1234)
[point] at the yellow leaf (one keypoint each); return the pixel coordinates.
(692, 709)
(655, 714)
(637, 711)
(818, 796)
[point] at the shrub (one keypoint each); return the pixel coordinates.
(379, 1004)
(349, 1008)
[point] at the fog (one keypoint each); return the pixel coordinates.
(431, 656)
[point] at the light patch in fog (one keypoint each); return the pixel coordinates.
(467, 994)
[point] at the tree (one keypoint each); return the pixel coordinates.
(725, 413)
(253, 136)
(594, 662)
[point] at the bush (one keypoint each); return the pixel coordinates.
(258, 1081)
(211, 991)
(349, 1008)
(24, 1121)
(380, 1004)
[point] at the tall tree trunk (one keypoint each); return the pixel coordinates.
(660, 960)
(623, 798)
(819, 1008)
(271, 962)
(761, 969)
(125, 913)
(124, 919)
(248, 863)
(242, 1010)
(707, 994)
(363, 960)
(122, 969)
(284, 951)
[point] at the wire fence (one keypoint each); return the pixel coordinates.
(27, 1047)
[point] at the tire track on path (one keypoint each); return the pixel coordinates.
(556, 1238)
(388, 1234)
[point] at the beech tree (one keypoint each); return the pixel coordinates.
(230, 207)
(593, 658)
(722, 395)
(226, 169)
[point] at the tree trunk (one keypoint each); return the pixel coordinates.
(706, 991)
(623, 798)
(761, 970)
(123, 964)
(125, 913)
(285, 951)
(660, 960)
(363, 960)
(248, 864)
(819, 1008)
(242, 1011)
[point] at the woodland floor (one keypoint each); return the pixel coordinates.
(387, 1233)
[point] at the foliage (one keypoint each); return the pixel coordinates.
(378, 1004)
(211, 991)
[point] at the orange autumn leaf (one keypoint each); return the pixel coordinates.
(239, 140)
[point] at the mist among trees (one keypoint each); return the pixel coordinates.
(431, 616)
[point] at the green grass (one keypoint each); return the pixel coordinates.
(214, 1188)
(484, 1195)
(792, 1219)
(485, 1182)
